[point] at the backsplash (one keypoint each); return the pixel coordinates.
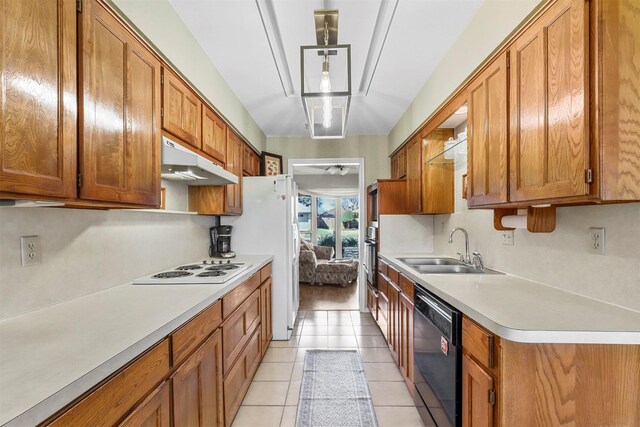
(561, 258)
(85, 251)
(406, 233)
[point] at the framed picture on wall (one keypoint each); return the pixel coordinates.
(271, 164)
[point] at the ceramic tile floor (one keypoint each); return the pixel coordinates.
(273, 395)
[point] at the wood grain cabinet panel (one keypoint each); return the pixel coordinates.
(251, 162)
(405, 338)
(437, 174)
(233, 300)
(265, 314)
(548, 142)
(110, 402)
(181, 109)
(414, 176)
(190, 335)
(393, 295)
(233, 192)
(197, 387)
(487, 145)
(153, 412)
(214, 135)
(237, 381)
(372, 302)
(120, 112)
(477, 410)
(38, 100)
(237, 329)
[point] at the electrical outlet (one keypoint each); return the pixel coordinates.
(507, 237)
(596, 240)
(30, 250)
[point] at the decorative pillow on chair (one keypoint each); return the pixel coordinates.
(305, 246)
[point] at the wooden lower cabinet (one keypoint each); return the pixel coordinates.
(197, 386)
(393, 293)
(239, 327)
(265, 314)
(237, 381)
(154, 411)
(405, 339)
(114, 399)
(477, 389)
(372, 302)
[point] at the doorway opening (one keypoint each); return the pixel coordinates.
(329, 210)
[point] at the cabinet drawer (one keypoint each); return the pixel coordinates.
(382, 266)
(237, 329)
(383, 306)
(382, 284)
(236, 297)
(265, 273)
(479, 343)
(110, 402)
(239, 377)
(186, 339)
(406, 286)
(393, 275)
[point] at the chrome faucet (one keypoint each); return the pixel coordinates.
(466, 258)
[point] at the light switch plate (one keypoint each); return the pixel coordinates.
(507, 237)
(30, 250)
(596, 240)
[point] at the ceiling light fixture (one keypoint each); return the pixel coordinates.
(325, 71)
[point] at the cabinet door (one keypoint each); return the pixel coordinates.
(197, 387)
(549, 142)
(120, 112)
(153, 412)
(214, 135)
(38, 123)
(393, 293)
(414, 176)
(233, 192)
(405, 347)
(487, 146)
(477, 385)
(402, 163)
(437, 174)
(372, 302)
(265, 315)
(237, 329)
(394, 166)
(237, 381)
(181, 109)
(247, 162)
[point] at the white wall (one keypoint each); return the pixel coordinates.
(163, 27)
(493, 22)
(561, 258)
(372, 148)
(85, 251)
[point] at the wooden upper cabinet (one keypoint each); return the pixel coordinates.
(414, 176)
(214, 135)
(437, 174)
(233, 192)
(119, 111)
(548, 141)
(399, 164)
(616, 96)
(487, 145)
(477, 410)
(251, 162)
(38, 123)
(181, 109)
(197, 387)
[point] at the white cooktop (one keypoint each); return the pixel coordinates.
(207, 272)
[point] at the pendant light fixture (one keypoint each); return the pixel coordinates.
(325, 71)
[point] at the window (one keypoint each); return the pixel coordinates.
(332, 222)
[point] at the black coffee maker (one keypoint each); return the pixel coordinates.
(221, 242)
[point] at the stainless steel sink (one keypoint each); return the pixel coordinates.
(430, 261)
(443, 266)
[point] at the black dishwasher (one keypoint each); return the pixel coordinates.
(437, 358)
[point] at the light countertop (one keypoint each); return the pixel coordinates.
(523, 310)
(51, 356)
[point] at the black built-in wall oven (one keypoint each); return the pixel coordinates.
(437, 358)
(371, 254)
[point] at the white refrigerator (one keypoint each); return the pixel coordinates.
(268, 225)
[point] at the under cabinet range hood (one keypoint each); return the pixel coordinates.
(181, 164)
